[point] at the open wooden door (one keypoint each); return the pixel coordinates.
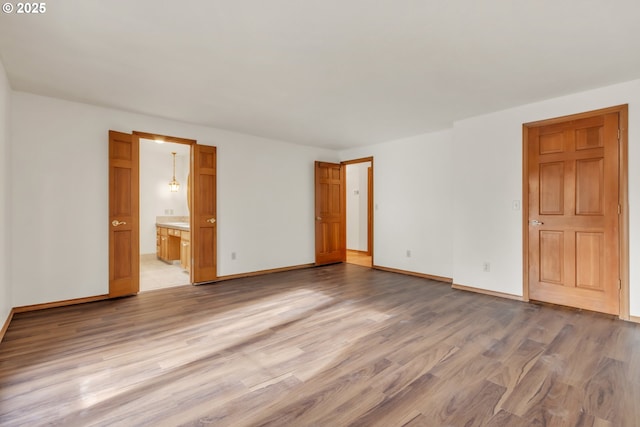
(203, 221)
(370, 211)
(124, 277)
(331, 234)
(574, 208)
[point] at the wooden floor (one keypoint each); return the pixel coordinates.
(330, 346)
(359, 258)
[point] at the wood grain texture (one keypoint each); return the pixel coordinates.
(359, 258)
(587, 140)
(330, 346)
(330, 213)
(124, 213)
(204, 230)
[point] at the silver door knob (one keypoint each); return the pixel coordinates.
(535, 222)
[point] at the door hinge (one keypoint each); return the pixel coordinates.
(619, 284)
(618, 134)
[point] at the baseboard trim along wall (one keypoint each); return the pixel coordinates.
(54, 304)
(6, 325)
(262, 272)
(413, 273)
(487, 292)
(634, 319)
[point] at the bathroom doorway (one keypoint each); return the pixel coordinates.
(164, 214)
(124, 212)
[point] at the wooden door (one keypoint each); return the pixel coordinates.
(370, 211)
(203, 222)
(124, 256)
(573, 230)
(330, 210)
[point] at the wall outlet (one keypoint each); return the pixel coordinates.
(515, 205)
(233, 255)
(408, 253)
(168, 211)
(486, 266)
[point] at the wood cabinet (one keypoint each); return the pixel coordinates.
(185, 250)
(167, 244)
(173, 244)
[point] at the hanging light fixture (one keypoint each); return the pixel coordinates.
(174, 185)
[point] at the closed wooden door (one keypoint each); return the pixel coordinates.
(123, 214)
(573, 229)
(203, 223)
(330, 210)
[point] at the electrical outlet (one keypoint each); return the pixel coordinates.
(486, 267)
(515, 205)
(233, 255)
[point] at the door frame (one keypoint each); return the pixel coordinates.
(136, 135)
(369, 202)
(623, 199)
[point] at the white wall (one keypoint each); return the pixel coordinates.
(357, 208)
(487, 177)
(6, 299)
(265, 197)
(156, 164)
(452, 216)
(412, 202)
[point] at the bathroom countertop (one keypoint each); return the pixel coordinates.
(184, 226)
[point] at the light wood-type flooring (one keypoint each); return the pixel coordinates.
(329, 346)
(359, 258)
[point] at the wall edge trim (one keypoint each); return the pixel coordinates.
(414, 273)
(488, 292)
(6, 324)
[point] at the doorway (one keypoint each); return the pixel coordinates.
(164, 214)
(576, 211)
(124, 214)
(331, 213)
(359, 183)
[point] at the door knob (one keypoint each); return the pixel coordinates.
(116, 223)
(318, 218)
(211, 220)
(535, 222)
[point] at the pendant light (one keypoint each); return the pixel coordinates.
(174, 185)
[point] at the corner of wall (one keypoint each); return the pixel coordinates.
(6, 292)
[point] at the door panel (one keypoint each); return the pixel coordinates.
(330, 209)
(123, 214)
(573, 237)
(204, 226)
(552, 188)
(590, 186)
(590, 255)
(552, 257)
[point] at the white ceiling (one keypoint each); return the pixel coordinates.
(331, 73)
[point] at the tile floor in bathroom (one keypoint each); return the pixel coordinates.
(156, 274)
